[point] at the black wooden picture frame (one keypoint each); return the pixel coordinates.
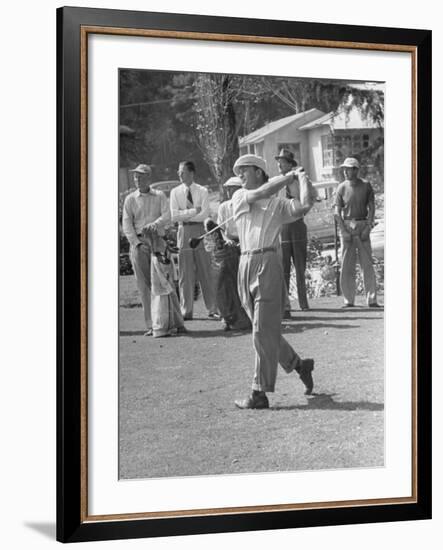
(73, 25)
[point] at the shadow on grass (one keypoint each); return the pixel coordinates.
(217, 332)
(302, 327)
(294, 326)
(356, 309)
(325, 401)
(304, 317)
(132, 332)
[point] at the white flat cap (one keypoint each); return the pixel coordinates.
(142, 169)
(350, 162)
(250, 160)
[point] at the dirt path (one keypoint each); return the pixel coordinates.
(177, 413)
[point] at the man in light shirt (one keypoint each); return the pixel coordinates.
(190, 207)
(259, 217)
(142, 209)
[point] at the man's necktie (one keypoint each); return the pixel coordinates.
(189, 197)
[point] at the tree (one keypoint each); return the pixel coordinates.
(216, 128)
(301, 94)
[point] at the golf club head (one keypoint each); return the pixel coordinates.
(195, 241)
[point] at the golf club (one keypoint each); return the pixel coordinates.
(195, 241)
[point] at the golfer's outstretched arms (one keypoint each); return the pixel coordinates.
(270, 187)
(306, 194)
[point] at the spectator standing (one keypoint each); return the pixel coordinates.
(142, 209)
(190, 207)
(354, 212)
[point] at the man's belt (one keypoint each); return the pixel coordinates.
(192, 223)
(259, 250)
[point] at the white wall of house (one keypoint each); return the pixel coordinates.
(273, 143)
(310, 145)
(315, 162)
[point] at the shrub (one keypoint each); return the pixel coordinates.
(125, 265)
(322, 273)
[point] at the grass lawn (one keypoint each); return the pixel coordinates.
(177, 413)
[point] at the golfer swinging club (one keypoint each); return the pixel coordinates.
(259, 217)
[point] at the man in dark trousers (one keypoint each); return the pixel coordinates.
(294, 236)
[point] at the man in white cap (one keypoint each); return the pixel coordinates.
(259, 217)
(143, 209)
(294, 236)
(190, 208)
(225, 259)
(354, 212)
(225, 212)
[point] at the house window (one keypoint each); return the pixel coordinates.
(337, 147)
(327, 151)
(294, 147)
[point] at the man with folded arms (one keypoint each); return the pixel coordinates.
(190, 207)
(259, 217)
(143, 209)
(354, 212)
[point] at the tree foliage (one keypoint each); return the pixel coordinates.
(178, 116)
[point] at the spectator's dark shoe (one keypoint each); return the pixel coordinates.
(213, 315)
(287, 314)
(226, 326)
(188, 318)
(148, 332)
(254, 401)
(305, 372)
(374, 305)
(347, 305)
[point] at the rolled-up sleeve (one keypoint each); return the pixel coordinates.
(289, 210)
(165, 216)
(339, 203)
(240, 204)
(128, 222)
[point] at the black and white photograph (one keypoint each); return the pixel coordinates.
(251, 274)
(216, 289)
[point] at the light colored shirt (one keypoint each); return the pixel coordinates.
(182, 211)
(259, 223)
(293, 189)
(225, 211)
(141, 209)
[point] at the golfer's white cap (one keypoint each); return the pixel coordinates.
(250, 160)
(142, 169)
(350, 162)
(233, 182)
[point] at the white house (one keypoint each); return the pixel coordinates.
(320, 142)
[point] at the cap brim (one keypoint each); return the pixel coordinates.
(291, 161)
